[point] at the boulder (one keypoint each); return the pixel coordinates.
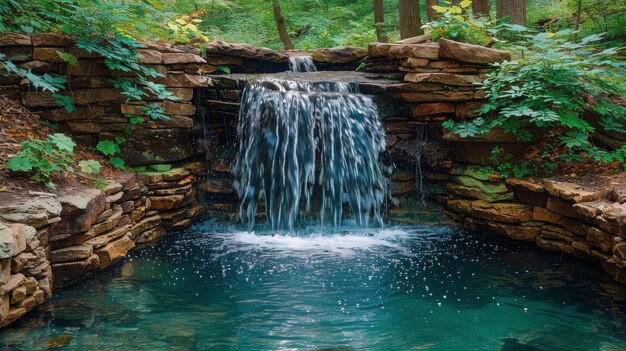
(71, 253)
(433, 108)
(15, 39)
(424, 50)
(68, 273)
(244, 50)
(53, 39)
(379, 49)
(443, 78)
(37, 211)
(476, 193)
(13, 238)
(508, 212)
(114, 250)
(338, 55)
(463, 52)
(181, 58)
(572, 191)
(81, 207)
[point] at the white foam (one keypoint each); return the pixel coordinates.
(341, 243)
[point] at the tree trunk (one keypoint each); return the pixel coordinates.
(430, 13)
(410, 21)
(280, 25)
(514, 9)
(379, 21)
(480, 8)
(577, 26)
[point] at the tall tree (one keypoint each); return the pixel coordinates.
(514, 9)
(431, 14)
(410, 21)
(480, 8)
(379, 21)
(280, 25)
(579, 9)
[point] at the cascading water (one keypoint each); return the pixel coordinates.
(303, 141)
(302, 64)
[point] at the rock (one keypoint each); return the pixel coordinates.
(183, 80)
(144, 225)
(53, 39)
(15, 39)
(338, 55)
(507, 212)
(150, 146)
(217, 186)
(599, 239)
(486, 186)
(114, 250)
(244, 50)
(112, 187)
(443, 95)
(68, 273)
(562, 207)
(414, 62)
(36, 211)
(175, 108)
(71, 253)
(475, 193)
(104, 239)
(399, 188)
(13, 238)
(443, 78)
(13, 282)
(81, 207)
(433, 108)
(463, 52)
(424, 50)
(5, 270)
(543, 215)
(468, 109)
(150, 235)
(572, 191)
(166, 202)
(460, 205)
(379, 49)
(18, 294)
(180, 58)
(516, 232)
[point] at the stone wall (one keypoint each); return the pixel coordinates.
(583, 218)
(55, 240)
(100, 108)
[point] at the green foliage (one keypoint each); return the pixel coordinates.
(108, 147)
(89, 166)
(45, 158)
(110, 29)
(548, 89)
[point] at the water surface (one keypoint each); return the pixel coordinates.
(399, 288)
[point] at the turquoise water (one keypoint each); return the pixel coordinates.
(400, 288)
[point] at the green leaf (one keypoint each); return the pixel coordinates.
(117, 162)
(62, 142)
(108, 147)
(65, 101)
(224, 69)
(89, 166)
(67, 57)
(20, 164)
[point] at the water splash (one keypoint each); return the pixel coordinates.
(303, 141)
(302, 64)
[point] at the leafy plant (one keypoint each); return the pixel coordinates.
(45, 158)
(457, 23)
(547, 90)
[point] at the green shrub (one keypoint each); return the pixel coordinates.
(547, 90)
(44, 159)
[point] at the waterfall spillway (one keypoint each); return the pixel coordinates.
(302, 64)
(303, 143)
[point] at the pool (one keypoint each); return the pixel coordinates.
(411, 287)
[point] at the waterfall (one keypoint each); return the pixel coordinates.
(422, 140)
(302, 64)
(301, 143)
